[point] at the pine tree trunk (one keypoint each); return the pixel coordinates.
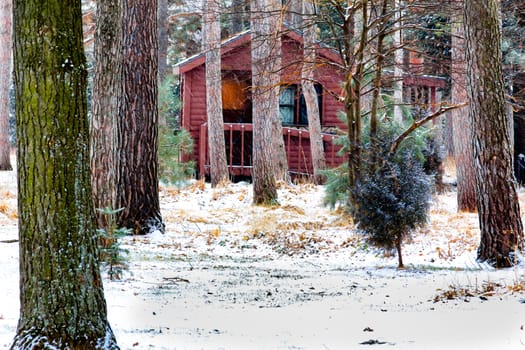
(138, 130)
(310, 95)
(272, 18)
(5, 82)
(398, 62)
(263, 173)
(211, 45)
(294, 10)
(107, 95)
(463, 153)
(498, 207)
(356, 37)
(62, 304)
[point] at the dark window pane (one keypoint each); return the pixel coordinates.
(287, 105)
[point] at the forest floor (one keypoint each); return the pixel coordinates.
(230, 275)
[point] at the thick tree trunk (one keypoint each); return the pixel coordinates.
(498, 207)
(107, 95)
(264, 168)
(5, 82)
(62, 303)
(211, 45)
(310, 95)
(462, 134)
(138, 130)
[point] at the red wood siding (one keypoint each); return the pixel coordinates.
(237, 57)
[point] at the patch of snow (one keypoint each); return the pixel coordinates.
(231, 275)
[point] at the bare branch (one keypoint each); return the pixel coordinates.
(444, 108)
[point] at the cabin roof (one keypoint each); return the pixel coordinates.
(241, 39)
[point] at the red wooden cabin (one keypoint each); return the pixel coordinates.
(237, 108)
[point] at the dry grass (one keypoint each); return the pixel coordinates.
(263, 224)
(485, 290)
(8, 206)
(198, 185)
(449, 167)
(294, 209)
(4, 208)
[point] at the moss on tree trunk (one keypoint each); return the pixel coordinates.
(61, 294)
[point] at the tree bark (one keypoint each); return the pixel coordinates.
(211, 45)
(310, 95)
(294, 10)
(400, 264)
(138, 129)
(62, 303)
(106, 98)
(263, 173)
(272, 17)
(498, 206)
(462, 134)
(356, 39)
(398, 62)
(5, 82)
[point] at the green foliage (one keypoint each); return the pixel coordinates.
(391, 201)
(169, 102)
(184, 36)
(336, 186)
(391, 197)
(513, 30)
(433, 37)
(173, 142)
(171, 146)
(111, 253)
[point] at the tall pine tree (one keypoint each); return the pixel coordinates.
(62, 303)
(497, 200)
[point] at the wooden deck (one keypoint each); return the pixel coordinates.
(238, 139)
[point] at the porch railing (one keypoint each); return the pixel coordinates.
(240, 165)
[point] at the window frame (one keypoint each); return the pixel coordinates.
(300, 117)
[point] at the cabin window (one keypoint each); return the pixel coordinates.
(236, 104)
(287, 105)
(292, 105)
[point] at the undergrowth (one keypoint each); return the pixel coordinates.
(112, 255)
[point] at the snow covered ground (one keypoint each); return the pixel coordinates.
(229, 275)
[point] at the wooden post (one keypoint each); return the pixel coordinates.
(203, 142)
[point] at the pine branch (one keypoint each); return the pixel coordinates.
(443, 108)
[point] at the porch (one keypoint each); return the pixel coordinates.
(238, 139)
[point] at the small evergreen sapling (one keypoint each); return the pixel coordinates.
(391, 197)
(391, 202)
(111, 253)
